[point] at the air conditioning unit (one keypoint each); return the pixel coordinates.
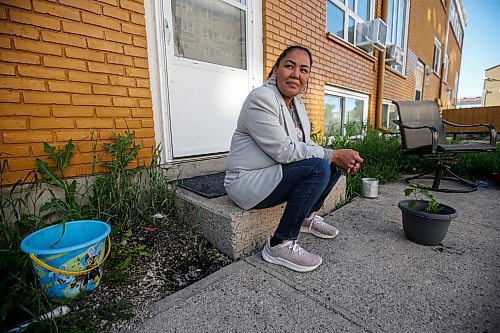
(371, 34)
(394, 55)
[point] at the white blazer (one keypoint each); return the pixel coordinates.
(265, 137)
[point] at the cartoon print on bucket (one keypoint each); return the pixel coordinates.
(73, 262)
(70, 286)
(92, 278)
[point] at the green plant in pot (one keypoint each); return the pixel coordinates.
(425, 221)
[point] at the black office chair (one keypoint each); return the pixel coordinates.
(423, 133)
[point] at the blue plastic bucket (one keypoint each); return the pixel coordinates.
(67, 259)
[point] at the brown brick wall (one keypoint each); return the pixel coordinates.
(335, 62)
(428, 19)
(67, 68)
(340, 64)
(401, 87)
(455, 61)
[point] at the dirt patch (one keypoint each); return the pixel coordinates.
(163, 260)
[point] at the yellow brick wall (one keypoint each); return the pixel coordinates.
(71, 66)
(68, 67)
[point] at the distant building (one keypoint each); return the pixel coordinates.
(469, 102)
(491, 91)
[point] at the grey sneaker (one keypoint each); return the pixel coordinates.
(291, 255)
(316, 225)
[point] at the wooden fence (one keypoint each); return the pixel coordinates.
(480, 115)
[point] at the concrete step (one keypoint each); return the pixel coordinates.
(234, 231)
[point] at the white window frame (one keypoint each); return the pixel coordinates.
(456, 22)
(436, 56)
(349, 13)
(455, 95)
(393, 34)
(420, 68)
(340, 92)
(445, 68)
(389, 104)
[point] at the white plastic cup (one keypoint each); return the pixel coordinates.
(369, 187)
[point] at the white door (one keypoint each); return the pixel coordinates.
(209, 74)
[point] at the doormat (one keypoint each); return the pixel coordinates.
(208, 186)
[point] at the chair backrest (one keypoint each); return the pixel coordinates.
(419, 113)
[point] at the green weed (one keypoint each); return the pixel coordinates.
(124, 196)
(69, 208)
(384, 160)
(381, 154)
(478, 165)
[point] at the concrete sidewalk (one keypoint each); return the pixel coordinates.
(372, 278)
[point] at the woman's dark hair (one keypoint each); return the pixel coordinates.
(285, 52)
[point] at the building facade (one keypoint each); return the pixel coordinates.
(177, 71)
(469, 102)
(491, 89)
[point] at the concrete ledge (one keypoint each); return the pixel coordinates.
(234, 231)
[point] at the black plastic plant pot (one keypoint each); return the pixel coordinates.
(426, 228)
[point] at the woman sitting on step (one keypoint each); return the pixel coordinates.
(273, 160)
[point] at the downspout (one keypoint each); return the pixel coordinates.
(381, 72)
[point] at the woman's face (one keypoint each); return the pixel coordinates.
(292, 74)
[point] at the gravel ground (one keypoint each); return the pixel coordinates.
(176, 257)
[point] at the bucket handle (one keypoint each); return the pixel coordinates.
(60, 271)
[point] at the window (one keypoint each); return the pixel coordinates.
(436, 62)
(389, 113)
(397, 28)
(345, 112)
(456, 88)
(200, 27)
(419, 78)
(456, 23)
(343, 15)
(445, 68)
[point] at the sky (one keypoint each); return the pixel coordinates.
(481, 48)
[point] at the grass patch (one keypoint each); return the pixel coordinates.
(384, 160)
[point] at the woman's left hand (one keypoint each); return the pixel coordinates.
(353, 170)
(347, 160)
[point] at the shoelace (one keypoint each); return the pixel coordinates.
(293, 246)
(315, 219)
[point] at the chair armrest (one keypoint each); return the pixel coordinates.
(491, 129)
(464, 125)
(434, 132)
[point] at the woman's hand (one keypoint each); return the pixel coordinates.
(347, 160)
(353, 170)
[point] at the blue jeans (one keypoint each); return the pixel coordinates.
(304, 188)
